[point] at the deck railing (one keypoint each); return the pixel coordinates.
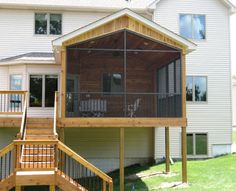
(81, 172)
(55, 115)
(11, 102)
(104, 104)
(6, 161)
(26, 155)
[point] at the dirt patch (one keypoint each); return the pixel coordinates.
(173, 185)
(149, 175)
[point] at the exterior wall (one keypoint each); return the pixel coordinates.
(234, 103)
(24, 40)
(7, 135)
(211, 59)
(100, 146)
(25, 71)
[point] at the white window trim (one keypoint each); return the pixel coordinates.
(192, 36)
(17, 74)
(43, 89)
(48, 24)
(193, 82)
(194, 155)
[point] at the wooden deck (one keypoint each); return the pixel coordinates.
(95, 122)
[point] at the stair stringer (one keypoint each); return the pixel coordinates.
(67, 184)
(8, 183)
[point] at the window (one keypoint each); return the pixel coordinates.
(193, 26)
(112, 83)
(46, 23)
(16, 82)
(42, 89)
(197, 144)
(196, 88)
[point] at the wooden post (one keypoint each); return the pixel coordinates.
(167, 146)
(122, 156)
(18, 188)
(63, 82)
(104, 185)
(184, 155)
(52, 188)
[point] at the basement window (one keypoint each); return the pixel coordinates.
(42, 90)
(48, 24)
(196, 144)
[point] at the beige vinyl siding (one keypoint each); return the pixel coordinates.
(234, 103)
(4, 77)
(211, 59)
(26, 71)
(7, 135)
(100, 146)
(17, 30)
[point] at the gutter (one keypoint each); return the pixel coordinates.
(70, 8)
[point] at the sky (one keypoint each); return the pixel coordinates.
(233, 40)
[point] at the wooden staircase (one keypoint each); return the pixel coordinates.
(39, 158)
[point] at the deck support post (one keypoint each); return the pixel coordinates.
(122, 156)
(52, 188)
(18, 188)
(167, 148)
(184, 155)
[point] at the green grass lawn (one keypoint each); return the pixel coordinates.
(234, 136)
(217, 174)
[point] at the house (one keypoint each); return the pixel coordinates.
(135, 82)
(234, 102)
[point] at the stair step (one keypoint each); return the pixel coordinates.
(39, 131)
(40, 137)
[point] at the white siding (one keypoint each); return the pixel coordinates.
(17, 30)
(101, 146)
(7, 135)
(234, 103)
(25, 71)
(4, 77)
(211, 59)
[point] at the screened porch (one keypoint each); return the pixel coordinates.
(123, 74)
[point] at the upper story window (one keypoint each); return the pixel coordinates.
(193, 26)
(46, 23)
(196, 88)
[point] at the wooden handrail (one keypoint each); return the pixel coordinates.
(55, 115)
(24, 117)
(12, 92)
(60, 151)
(82, 161)
(6, 149)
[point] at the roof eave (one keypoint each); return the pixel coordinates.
(22, 62)
(190, 45)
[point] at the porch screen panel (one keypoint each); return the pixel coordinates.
(169, 90)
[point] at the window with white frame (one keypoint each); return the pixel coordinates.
(197, 144)
(48, 23)
(196, 88)
(193, 26)
(42, 89)
(15, 84)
